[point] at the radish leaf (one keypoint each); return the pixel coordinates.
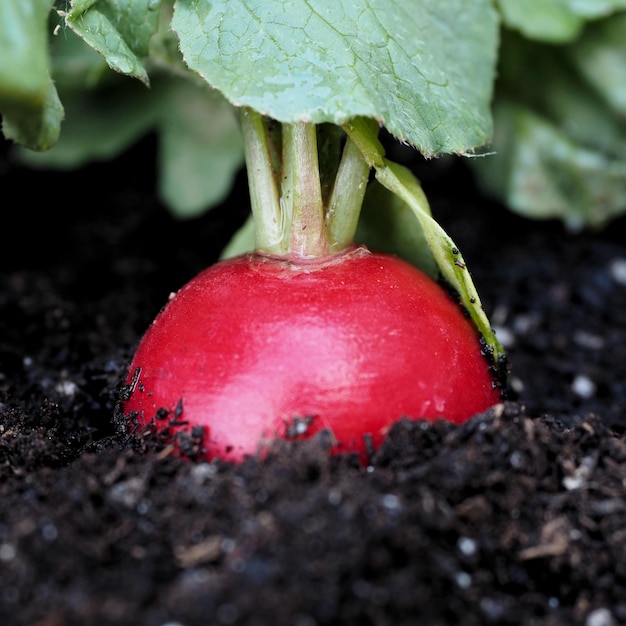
(557, 21)
(560, 132)
(119, 29)
(29, 103)
(424, 69)
(197, 161)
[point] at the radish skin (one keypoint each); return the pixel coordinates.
(256, 345)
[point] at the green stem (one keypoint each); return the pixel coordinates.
(346, 200)
(302, 193)
(286, 195)
(269, 218)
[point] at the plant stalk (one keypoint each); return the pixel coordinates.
(346, 200)
(269, 218)
(302, 193)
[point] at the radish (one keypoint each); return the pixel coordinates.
(258, 347)
(310, 331)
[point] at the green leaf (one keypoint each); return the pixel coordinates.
(200, 150)
(120, 30)
(29, 104)
(401, 182)
(118, 125)
(600, 57)
(560, 131)
(242, 242)
(556, 21)
(24, 70)
(544, 174)
(38, 130)
(200, 146)
(423, 69)
(75, 65)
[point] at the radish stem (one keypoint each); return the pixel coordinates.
(344, 207)
(302, 192)
(269, 219)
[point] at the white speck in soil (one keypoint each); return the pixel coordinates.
(617, 268)
(583, 387)
(7, 552)
(517, 459)
(600, 617)
(516, 384)
(505, 336)
(128, 493)
(49, 532)
(67, 388)
(335, 497)
(463, 580)
(467, 546)
(588, 340)
(391, 502)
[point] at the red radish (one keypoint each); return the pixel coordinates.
(310, 331)
(256, 345)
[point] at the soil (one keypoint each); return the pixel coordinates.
(516, 517)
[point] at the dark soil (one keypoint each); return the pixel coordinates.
(517, 517)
